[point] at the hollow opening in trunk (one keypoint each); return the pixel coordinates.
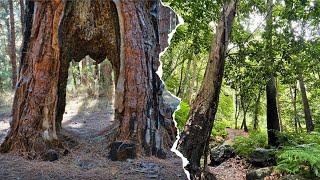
(89, 98)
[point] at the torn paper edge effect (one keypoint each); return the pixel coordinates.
(160, 72)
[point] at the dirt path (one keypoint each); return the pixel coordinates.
(83, 122)
(234, 168)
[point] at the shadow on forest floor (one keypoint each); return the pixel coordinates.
(85, 117)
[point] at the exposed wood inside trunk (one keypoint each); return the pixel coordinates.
(194, 139)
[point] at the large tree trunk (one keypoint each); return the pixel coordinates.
(194, 138)
(139, 89)
(273, 125)
(13, 56)
(306, 107)
(90, 27)
(33, 122)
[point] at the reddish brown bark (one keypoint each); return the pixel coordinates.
(90, 27)
(194, 139)
(33, 124)
(13, 56)
(139, 89)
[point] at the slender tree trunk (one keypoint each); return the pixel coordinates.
(13, 56)
(194, 139)
(273, 124)
(306, 107)
(256, 110)
(33, 122)
(74, 75)
(192, 83)
(278, 104)
(293, 92)
(244, 121)
(181, 80)
(22, 15)
(245, 110)
(237, 112)
(186, 78)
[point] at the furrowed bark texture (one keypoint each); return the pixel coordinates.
(100, 29)
(33, 121)
(194, 138)
(139, 102)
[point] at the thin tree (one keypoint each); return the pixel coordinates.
(13, 56)
(194, 139)
(273, 124)
(22, 14)
(306, 107)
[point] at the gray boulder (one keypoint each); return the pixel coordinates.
(220, 154)
(259, 174)
(263, 157)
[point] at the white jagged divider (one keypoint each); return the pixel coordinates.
(160, 72)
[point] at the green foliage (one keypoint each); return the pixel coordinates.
(294, 139)
(303, 159)
(181, 116)
(226, 105)
(219, 128)
(244, 146)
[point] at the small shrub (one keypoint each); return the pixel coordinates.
(302, 159)
(244, 146)
(181, 116)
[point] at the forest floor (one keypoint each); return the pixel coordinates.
(234, 168)
(84, 121)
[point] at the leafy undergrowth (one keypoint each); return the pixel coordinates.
(181, 115)
(303, 159)
(244, 146)
(220, 128)
(299, 154)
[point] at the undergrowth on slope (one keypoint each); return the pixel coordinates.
(302, 159)
(244, 146)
